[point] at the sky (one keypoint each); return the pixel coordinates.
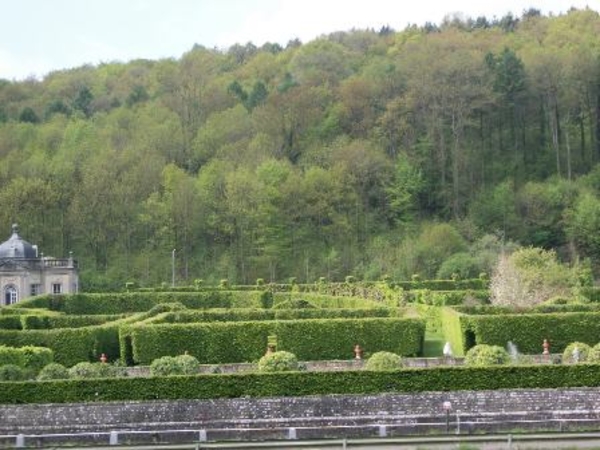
(40, 36)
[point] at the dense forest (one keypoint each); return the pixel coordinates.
(366, 152)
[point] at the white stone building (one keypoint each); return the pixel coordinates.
(24, 273)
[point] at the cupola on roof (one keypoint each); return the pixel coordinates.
(16, 247)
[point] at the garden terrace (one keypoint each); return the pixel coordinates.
(216, 325)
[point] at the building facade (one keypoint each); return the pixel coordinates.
(25, 273)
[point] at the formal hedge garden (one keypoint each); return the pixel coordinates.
(309, 339)
(324, 321)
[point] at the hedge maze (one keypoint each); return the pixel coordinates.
(317, 322)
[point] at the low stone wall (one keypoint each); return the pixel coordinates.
(320, 366)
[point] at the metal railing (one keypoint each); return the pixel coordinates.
(470, 429)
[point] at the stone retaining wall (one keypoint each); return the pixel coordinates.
(320, 366)
(311, 412)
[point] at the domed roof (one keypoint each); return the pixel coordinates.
(16, 247)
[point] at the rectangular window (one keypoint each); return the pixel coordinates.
(56, 288)
(36, 289)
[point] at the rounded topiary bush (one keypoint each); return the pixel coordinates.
(576, 352)
(37, 358)
(164, 366)
(486, 355)
(594, 354)
(94, 370)
(280, 361)
(188, 363)
(174, 365)
(383, 361)
(12, 372)
(53, 371)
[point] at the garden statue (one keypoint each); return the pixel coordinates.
(358, 352)
(576, 355)
(447, 350)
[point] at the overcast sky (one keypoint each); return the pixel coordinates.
(38, 36)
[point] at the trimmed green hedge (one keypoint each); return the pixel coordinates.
(10, 322)
(129, 302)
(301, 383)
(527, 331)
(538, 309)
(27, 357)
(325, 300)
(70, 345)
(239, 315)
(42, 322)
(311, 339)
(447, 298)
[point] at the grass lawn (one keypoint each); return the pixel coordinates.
(433, 345)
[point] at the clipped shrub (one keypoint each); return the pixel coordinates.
(27, 357)
(266, 299)
(486, 355)
(594, 354)
(36, 358)
(12, 372)
(53, 371)
(576, 352)
(296, 303)
(383, 361)
(189, 364)
(174, 365)
(165, 366)
(94, 370)
(280, 361)
(11, 355)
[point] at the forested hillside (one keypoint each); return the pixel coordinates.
(364, 153)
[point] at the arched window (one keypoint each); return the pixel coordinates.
(10, 295)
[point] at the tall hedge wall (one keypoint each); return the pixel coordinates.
(128, 302)
(301, 383)
(325, 300)
(311, 339)
(239, 315)
(70, 345)
(527, 331)
(447, 298)
(28, 357)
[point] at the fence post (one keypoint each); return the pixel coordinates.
(113, 438)
(20, 443)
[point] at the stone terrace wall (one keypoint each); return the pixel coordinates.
(310, 412)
